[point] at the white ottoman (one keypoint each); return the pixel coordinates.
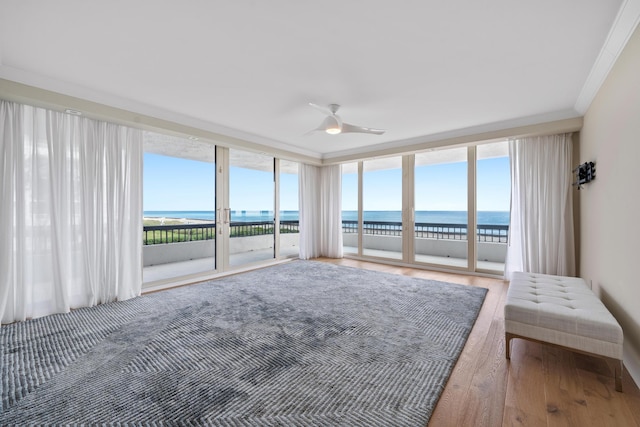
(562, 311)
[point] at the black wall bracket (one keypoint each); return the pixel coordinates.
(585, 173)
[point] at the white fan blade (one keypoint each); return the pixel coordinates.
(346, 128)
(323, 110)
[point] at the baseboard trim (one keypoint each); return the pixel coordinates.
(631, 358)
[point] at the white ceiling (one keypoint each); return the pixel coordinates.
(249, 68)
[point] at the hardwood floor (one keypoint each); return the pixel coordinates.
(541, 385)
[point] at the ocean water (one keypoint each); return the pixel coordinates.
(432, 217)
(440, 217)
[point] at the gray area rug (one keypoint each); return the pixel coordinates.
(302, 344)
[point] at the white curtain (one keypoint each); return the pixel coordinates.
(331, 209)
(541, 237)
(71, 212)
(320, 195)
(309, 197)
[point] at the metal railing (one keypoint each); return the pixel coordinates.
(493, 233)
(441, 231)
(255, 228)
(158, 234)
(485, 232)
(290, 226)
(349, 226)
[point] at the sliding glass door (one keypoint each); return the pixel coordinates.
(445, 207)
(441, 217)
(288, 217)
(179, 195)
(382, 208)
(350, 208)
(493, 204)
(250, 215)
(209, 209)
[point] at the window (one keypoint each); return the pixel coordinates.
(350, 219)
(289, 218)
(493, 194)
(441, 219)
(382, 208)
(179, 207)
(251, 201)
(456, 211)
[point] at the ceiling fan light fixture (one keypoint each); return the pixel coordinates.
(333, 130)
(332, 125)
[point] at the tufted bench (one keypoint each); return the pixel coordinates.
(562, 311)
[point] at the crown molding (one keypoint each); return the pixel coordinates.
(30, 88)
(547, 124)
(558, 122)
(622, 29)
(180, 126)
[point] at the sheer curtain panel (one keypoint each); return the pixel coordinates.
(541, 238)
(309, 197)
(331, 208)
(70, 218)
(320, 195)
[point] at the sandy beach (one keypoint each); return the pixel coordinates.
(173, 221)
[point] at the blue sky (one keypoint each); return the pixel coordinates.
(174, 184)
(441, 187)
(178, 184)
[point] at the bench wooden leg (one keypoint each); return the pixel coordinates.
(507, 340)
(618, 369)
(618, 373)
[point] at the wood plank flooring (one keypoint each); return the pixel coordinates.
(540, 386)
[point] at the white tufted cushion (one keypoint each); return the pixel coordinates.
(561, 310)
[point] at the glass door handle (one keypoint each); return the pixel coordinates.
(219, 220)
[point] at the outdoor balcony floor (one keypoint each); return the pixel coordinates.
(172, 270)
(429, 259)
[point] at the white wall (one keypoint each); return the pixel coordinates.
(609, 238)
(177, 252)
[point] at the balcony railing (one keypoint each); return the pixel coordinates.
(157, 234)
(493, 233)
(485, 232)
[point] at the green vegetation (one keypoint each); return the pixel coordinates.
(178, 235)
(288, 230)
(254, 230)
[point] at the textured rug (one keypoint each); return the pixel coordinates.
(302, 343)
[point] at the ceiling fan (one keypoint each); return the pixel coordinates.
(334, 125)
